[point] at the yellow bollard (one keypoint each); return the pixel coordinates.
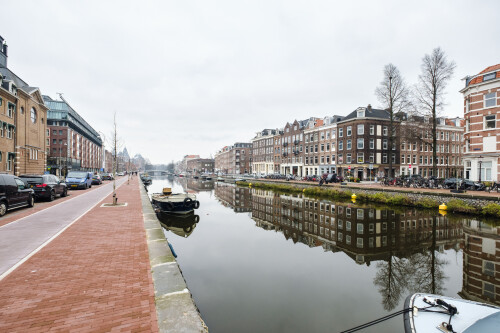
(443, 206)
(353, 197)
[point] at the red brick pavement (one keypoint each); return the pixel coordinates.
(94, 277)
(16, 214)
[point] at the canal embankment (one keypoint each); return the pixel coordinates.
(175, 308)
(475, 203)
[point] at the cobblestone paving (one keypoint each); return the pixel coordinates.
(94, 277)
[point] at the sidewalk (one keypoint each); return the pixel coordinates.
(95, 276)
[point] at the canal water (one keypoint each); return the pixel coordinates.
(259, 261)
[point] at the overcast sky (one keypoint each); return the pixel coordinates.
(189, 77)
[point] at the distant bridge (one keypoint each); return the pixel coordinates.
(156, 173)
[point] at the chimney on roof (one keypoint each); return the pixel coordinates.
(3, 52)
(369, 107)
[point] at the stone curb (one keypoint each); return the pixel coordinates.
(174, 304)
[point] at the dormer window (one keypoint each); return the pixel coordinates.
(361, 113)
(489, 76)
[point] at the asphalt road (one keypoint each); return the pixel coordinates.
(22, 238)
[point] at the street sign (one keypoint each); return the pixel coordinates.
(370, 167)
(349, 167)
(409, 166)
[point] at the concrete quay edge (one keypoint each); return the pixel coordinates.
(175, 307)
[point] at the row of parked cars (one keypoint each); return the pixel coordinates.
(22, 191)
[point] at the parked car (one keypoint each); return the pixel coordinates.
(14, 194)
(96, 179)
(107, 176)
(79, 179)
(120, 174)
(45, 186)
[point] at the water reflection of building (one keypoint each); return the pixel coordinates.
(481, 272)
(365, 234)
(237, 198)
(199, 185)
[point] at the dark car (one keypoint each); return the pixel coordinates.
(107, 176)
(14, 194)
(45, 186)
(96, 179)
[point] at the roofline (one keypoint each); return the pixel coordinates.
(477, 84)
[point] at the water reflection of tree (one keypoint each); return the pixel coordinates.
(420, 271)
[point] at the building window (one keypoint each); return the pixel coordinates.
(372, 143)
(372, 129)
(490, 100)
(9, 132)
(349, 144)
(361, 129)
(384, 131)
(348, 158)
(372, 157)
(361, 158)
(349, 130)
(402, 159)
(361, 143)
(384, 144)
(488, 268)
(33, 115)
(489, 121)
(384, 158)
(341, 132)
(340, 159)
(341, 145)
(10, 110)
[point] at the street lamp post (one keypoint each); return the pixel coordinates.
(480, 167)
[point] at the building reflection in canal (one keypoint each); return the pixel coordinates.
(405, 244)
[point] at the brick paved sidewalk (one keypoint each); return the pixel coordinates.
(94, 277)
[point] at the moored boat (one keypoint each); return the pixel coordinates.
(435, 313)
(146, 179)
(174, 203)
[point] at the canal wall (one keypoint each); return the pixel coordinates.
(475, 200)
(175, 306)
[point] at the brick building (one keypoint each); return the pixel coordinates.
(74, 144)
(482, 116)
(416, 150)
(291, 143)
(263, 152)
(235, 159)
(23, 135)
(363, 142)
(200, 165)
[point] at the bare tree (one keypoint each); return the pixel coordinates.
(436, 72)
(115, 141)
(394, 94)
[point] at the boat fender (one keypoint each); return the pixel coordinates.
(188, 202)
(169, 206)
(196, 204)
(172, 249)
(196, 218)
